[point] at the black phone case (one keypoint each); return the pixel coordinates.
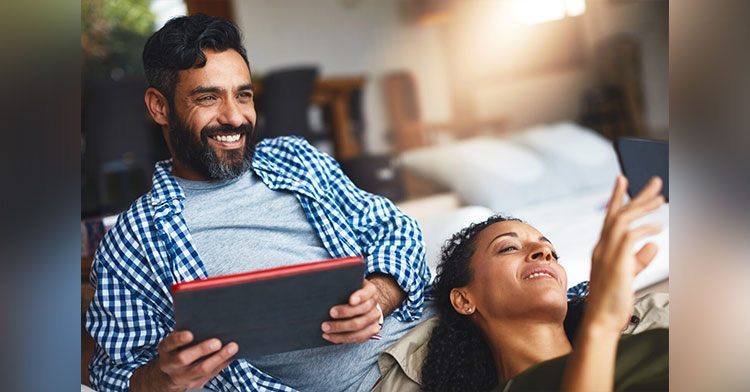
(641, 159)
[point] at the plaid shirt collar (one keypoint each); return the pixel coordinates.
(166, 191)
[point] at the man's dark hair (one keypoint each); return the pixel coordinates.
(179, 45)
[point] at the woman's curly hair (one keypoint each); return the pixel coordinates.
(459, 358)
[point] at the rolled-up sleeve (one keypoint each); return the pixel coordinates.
(390, 239)
(125, 324)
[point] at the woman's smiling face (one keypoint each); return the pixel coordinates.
(516, 274)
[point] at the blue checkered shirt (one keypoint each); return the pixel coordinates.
(150, 248)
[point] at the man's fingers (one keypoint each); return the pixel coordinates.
(353, 324)
(367, 291)
(348, 311)
(175, 340)
(353, 337)
(203, 379)
(212, 365)
(191, 354)
(644, 256)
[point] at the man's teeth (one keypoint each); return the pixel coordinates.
(537, 274)
(229, 139)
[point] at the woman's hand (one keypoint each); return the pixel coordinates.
(591, 366)
(614, 265)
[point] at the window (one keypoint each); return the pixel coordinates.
(539, 11)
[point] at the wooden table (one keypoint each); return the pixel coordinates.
(335, 92)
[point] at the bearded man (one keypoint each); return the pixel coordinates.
(225, 204)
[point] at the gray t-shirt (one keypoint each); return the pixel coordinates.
(241, 225)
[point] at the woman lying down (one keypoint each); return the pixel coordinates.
(505, 323)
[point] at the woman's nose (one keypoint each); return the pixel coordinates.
(541, 254)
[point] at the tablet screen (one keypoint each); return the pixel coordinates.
(267, 311)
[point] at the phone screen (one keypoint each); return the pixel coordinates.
(641, 159)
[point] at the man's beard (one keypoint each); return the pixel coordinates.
(198, 155)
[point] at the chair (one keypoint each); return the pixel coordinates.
(407, 127)
(619, 93)
(284, 103)
(378, 174)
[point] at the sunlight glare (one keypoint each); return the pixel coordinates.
(539, 11)
(575, 7)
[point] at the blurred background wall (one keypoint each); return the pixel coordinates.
(350, 38)
(507, 64)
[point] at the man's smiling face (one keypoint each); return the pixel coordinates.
(211, 119)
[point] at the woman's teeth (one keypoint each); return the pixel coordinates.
(228, 139)
(537, 274)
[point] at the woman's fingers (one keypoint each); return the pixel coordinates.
(639, 232)
(644, 256)
(648, 193)
(648, 199)
(633, 212)
(615, 202)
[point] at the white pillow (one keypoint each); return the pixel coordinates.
(486, 171)
(579, 156)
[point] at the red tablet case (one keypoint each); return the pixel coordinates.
(267, 311)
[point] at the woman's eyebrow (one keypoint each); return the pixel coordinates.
(508, 234)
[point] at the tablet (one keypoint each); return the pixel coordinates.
(641, 159)
(267, 311)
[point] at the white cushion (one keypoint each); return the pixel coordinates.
(579, 156)
(496, 173)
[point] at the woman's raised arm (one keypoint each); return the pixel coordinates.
(614, 265)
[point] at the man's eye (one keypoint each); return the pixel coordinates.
(246, 95)
(206, 98)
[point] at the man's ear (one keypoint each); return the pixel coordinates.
(157, 106)
(461, 301)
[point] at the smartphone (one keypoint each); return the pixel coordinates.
(641, 159)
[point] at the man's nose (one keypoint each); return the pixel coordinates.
(230, 114)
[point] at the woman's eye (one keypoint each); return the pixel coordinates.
(506, 249)
(554, 254)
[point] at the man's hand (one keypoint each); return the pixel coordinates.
(178, 368)
(358, 320)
